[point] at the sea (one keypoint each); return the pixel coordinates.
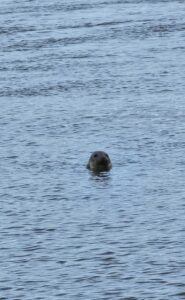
(76, 77)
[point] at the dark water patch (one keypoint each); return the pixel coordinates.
(43, 230)
(49, 89)
(61, 262)
(12, 30)
(182, 294)
(109, 24)
(32, 248)
(27, 45)
(146, 30)
(5, 289)
(130, 298)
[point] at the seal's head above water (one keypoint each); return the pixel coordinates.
(99, 161)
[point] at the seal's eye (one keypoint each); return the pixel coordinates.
(95, 155)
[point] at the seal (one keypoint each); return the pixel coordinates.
(99, 161)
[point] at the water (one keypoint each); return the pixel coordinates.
(78, 76)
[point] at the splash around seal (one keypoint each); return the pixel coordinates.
(99, 161)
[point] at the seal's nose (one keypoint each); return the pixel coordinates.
(104, 161)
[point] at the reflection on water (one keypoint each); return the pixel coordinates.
(76, 77)
(103, 177)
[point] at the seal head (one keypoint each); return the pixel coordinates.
(99, 161)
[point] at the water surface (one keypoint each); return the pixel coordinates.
(80, 76)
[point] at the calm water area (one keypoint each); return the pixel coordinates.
(75, 77)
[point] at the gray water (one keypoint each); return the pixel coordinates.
(78, 76)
